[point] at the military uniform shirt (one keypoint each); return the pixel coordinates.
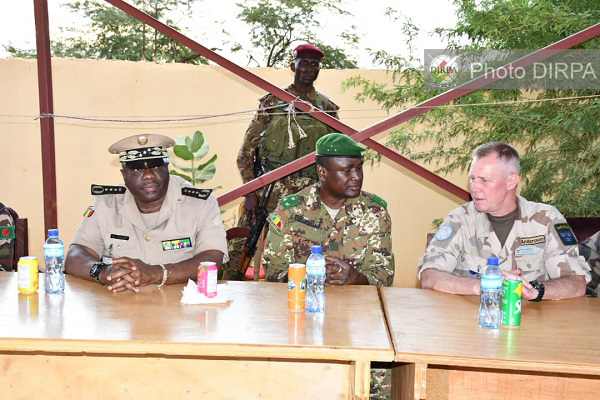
(184, 227)
(590, 250)
(245, 158)
(360, 235)
(540, 244)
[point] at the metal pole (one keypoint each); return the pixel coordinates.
(42, 34)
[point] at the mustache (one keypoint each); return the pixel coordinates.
(152, 183)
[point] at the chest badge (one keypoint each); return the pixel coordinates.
(175, 244)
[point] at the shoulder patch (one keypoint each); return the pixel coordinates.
(289, 201)
(89, 211)
(443, 232)
(276, 222)
(566, 234)
(379, 200)
(201, 194)
(98, 190)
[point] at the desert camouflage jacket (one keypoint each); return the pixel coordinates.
(590, 250)
(541, 244)
(360, 235)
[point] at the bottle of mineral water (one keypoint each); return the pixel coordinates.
(315, 281)
(54, 255)
(490, 312)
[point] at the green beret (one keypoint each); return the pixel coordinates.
(338, 145)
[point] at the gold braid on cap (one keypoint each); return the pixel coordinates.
(146, 153)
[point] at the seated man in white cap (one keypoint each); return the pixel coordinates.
(154, 229)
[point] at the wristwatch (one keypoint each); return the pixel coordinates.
(96, 270)
(539, 286)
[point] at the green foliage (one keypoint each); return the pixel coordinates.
(276, 25)
(109, 33)
(558, 140)
(192, 149)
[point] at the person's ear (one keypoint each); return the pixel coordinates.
(513, 181)
(321, 173)
(293, 66)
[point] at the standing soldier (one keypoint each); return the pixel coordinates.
(279, 134)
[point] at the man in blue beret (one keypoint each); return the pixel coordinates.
(353, 227)
(279, 134)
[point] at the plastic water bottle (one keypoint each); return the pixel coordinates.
(315, 281)
(490, 312)
(54, 255)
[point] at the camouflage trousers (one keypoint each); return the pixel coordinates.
(235, 246)
(381, 382)
(289, 185)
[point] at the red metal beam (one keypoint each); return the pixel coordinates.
(417, 110)
(285, 96)
(365, 135)
(44, 67)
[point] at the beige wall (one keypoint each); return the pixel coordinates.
(120, 89)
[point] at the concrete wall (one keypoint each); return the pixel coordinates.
(118, 89)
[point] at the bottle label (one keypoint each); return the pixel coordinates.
(51, 251)
(494, 283)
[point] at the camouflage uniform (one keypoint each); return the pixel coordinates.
(7, 240)
(590, 250)
(360, 235)
(255, 138)
(540, 244)
(381, 381)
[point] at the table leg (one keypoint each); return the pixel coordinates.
(409, 381)
(361, 378)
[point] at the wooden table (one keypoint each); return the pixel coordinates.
(90, 343)
(442, 352)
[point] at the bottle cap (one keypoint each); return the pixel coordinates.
(53, 232)
(316, 249)
(492, 260)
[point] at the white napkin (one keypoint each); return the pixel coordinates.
(192, 296)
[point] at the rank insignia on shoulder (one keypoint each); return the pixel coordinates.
(89, 211)
(289, 201)
(379, 200)
(195, 192)
(98, 190)
(566, 234)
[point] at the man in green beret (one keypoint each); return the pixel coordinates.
(279, 134)
(353, 227)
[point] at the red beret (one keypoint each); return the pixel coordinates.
(307, 50)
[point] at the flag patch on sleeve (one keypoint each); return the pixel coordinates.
(566, 234)
(276, 222)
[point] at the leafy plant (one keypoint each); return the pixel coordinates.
(558, 140)
(192, 149)
(277, 25)
(106, 32)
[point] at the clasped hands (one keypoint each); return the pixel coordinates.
(128, 274)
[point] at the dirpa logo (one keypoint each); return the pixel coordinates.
(443, 70)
